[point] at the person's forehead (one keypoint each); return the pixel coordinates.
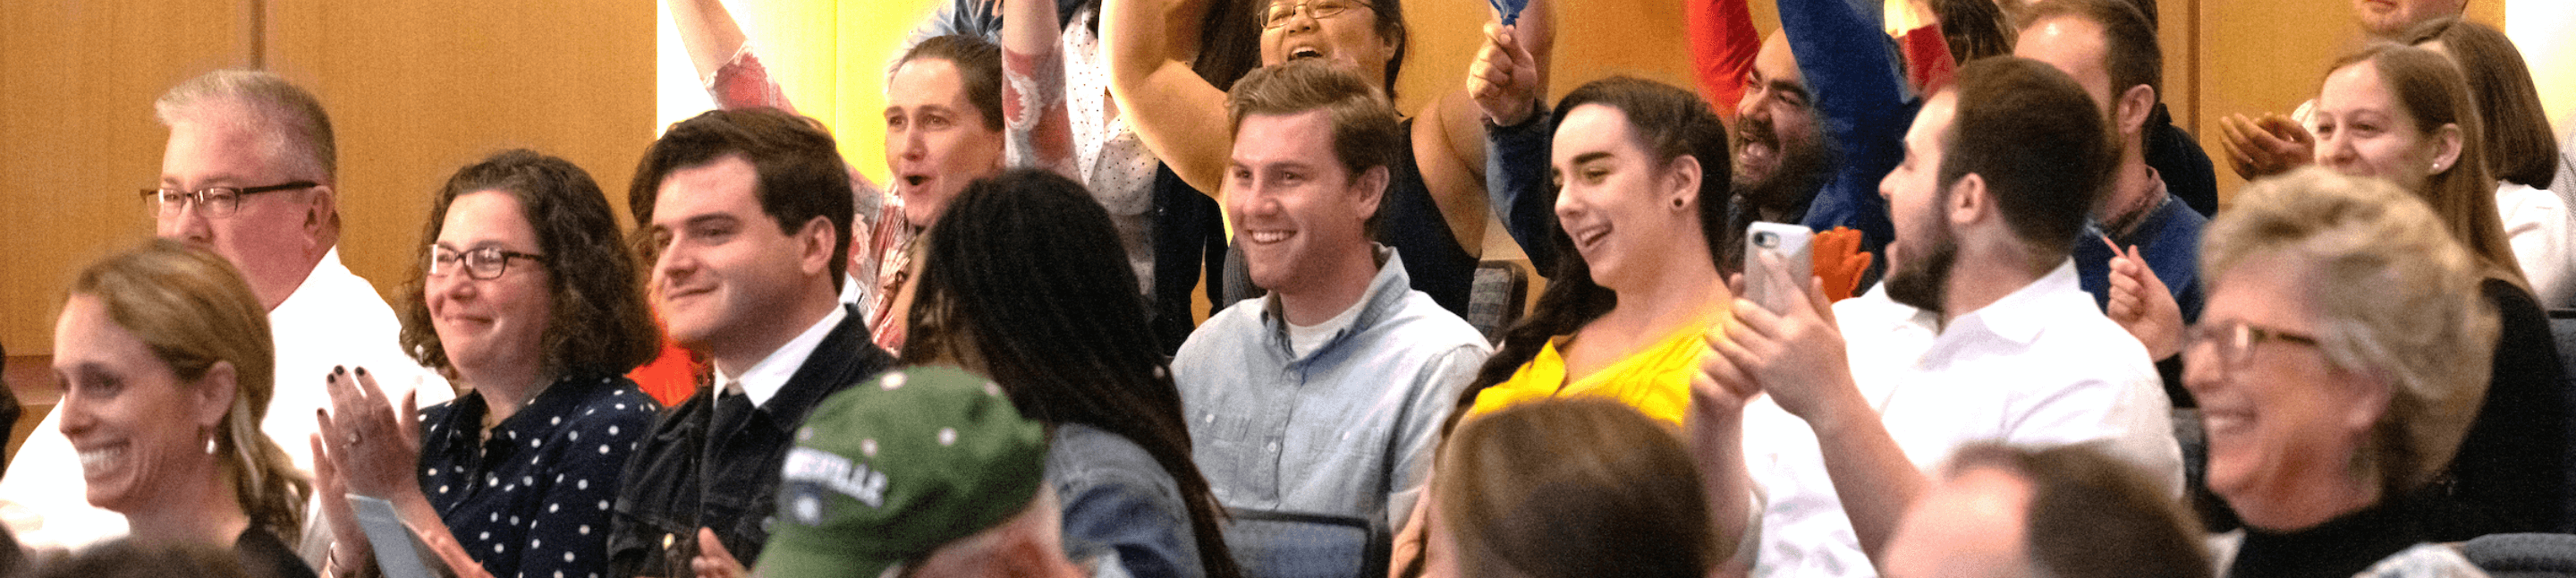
(2074, 44)
(213, 152)
(2356, 85)
(1934, 119)
(728, 184)
(1304, 135)
(926, 81)
(1776, 62)
(1590, 130)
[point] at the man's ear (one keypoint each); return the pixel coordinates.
(214, 394)
(814, 245)
(2449, 139)
(1968, 201)
(2131, 109)
(321, 211)
(1368, 191)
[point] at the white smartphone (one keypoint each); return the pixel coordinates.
(1787, 245)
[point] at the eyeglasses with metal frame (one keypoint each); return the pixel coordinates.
(213, 202)
(1278, 13)
(2236, 340)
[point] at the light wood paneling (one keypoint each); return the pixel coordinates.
(418, 89)
(415, 89)
(2269, 56)
(77, 137)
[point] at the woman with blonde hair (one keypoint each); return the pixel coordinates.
(165, 361)
(2404, 115)
(2338, 368)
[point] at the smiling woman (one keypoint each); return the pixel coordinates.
(2330, 411)
(164, 356)
(526, 294)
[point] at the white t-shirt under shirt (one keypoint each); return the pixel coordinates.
(333, 319)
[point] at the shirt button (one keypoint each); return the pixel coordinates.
(1272, 446)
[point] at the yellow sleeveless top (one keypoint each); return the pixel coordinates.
(1655, 380)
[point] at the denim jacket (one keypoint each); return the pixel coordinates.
(1118, 500)
(675, 483)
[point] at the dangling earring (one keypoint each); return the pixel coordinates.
(210, 441)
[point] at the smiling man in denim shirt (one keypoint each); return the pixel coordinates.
(1325, 396)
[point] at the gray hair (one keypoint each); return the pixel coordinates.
(2397, 297)
(289, 119)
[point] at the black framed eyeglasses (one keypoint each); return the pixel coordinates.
(214, 202)
(1279, 12)
(483, 263)
(2236, 340)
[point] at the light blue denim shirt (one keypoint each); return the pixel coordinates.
(1346, 430)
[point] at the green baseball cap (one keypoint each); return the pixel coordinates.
(896, 466)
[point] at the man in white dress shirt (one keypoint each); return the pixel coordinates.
(1979, 334)
(250, 174)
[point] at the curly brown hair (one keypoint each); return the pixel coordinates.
(599, 324)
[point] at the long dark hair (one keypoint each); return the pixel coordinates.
(1024, 276)
(1672, 122)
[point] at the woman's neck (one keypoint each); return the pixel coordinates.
(1685, 296)
(504, 390)
(2307, 505)
(206, 512)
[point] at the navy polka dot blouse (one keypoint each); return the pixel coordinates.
(533, 501)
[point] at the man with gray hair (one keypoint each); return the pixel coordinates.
(250, 174)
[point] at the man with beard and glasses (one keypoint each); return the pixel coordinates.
(1817, 127)
(1979, 334)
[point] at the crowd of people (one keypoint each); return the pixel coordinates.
(2024, 338)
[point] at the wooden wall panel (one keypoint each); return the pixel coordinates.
(77, 137)
(2269, 56)
(418, 89)
(415, 89)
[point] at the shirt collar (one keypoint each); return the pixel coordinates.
(2019, 316)
(1386, 292)
(763, 380)
(305, 296)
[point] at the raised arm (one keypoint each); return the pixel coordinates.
(1148, 46)
(1033, 110)
(1860, 93)
(708, 32)
(1449, 133)
(1723, 44)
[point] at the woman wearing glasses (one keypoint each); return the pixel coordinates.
(2338, 365)
(526, 295)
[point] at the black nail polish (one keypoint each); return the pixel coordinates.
(362, 371)
(339, 369)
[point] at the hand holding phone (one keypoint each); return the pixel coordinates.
(1777, 262)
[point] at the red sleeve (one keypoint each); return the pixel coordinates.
(1928, 63)
(1722, 45)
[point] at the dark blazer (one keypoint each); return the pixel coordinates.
(686, 476)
